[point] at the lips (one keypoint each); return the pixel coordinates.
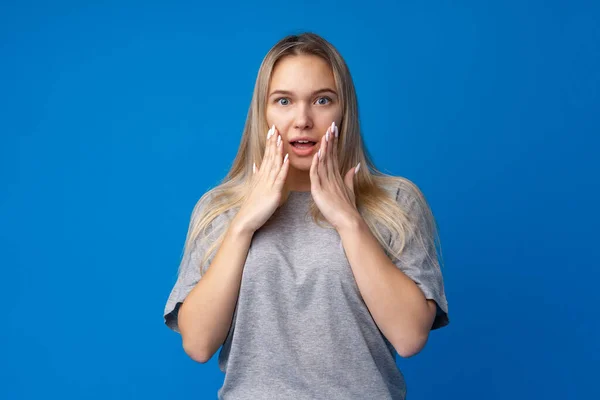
(303, 147)
(303, 144)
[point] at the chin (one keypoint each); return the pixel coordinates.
(301, 165)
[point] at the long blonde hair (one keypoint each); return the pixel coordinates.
(382, 212)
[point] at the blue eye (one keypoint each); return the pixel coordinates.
(323, 103)
(284, 101)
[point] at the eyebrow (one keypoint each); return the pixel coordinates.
(288, 93)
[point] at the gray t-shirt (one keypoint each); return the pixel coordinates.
(301, 329)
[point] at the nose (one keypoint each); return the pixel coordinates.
(303, 119)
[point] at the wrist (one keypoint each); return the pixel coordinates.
(351, 223)
(240, 228)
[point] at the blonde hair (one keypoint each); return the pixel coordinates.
(382, 213)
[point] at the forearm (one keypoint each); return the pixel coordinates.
(207, 312)
(396, 303)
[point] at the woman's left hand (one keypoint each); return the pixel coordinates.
(333, 195)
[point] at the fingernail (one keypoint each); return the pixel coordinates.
(278, 140)
(356, 169)
(319, 154)
(254, 168)
(332, 126)
(285, 158)
(327, 136)
(269, 133)
(336, 131)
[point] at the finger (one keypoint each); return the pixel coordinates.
(254, 177)
(322, 167)
(276, 163)
(331, 151)
(271, 155)
(273, 145)
(267, 152)
(335, 150)
(281, 176)
(279, 150)
(315, 183)
(349, 178)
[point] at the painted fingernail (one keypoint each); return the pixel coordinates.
(336, 131)
(254, 168)
(332, 126)
(327, 136)
(356, 169)
(285, 158)
(278, 140)
(269, 133)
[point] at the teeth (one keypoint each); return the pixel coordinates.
(302, 141)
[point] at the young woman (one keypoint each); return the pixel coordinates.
(321, 267)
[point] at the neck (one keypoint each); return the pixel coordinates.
(297, 180)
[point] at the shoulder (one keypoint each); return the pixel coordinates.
(202, 212)
(412, 202)
(404, 191)
(213, 209)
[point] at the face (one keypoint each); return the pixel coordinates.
(302, 102)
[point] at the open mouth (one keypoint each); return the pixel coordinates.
(303, 144)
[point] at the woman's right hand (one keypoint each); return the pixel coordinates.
(267, 185)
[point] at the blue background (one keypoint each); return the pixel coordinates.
(115, 119)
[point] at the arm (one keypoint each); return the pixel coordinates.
(398, 306)
(396, 303)
(207, 312)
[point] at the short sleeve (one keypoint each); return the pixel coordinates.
(419, 259)
(189, 274)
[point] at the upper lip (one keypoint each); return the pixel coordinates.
(309, 139)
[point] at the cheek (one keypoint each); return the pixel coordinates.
(324, 118)
(269, 115)
(277, 118)
(337, 115)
